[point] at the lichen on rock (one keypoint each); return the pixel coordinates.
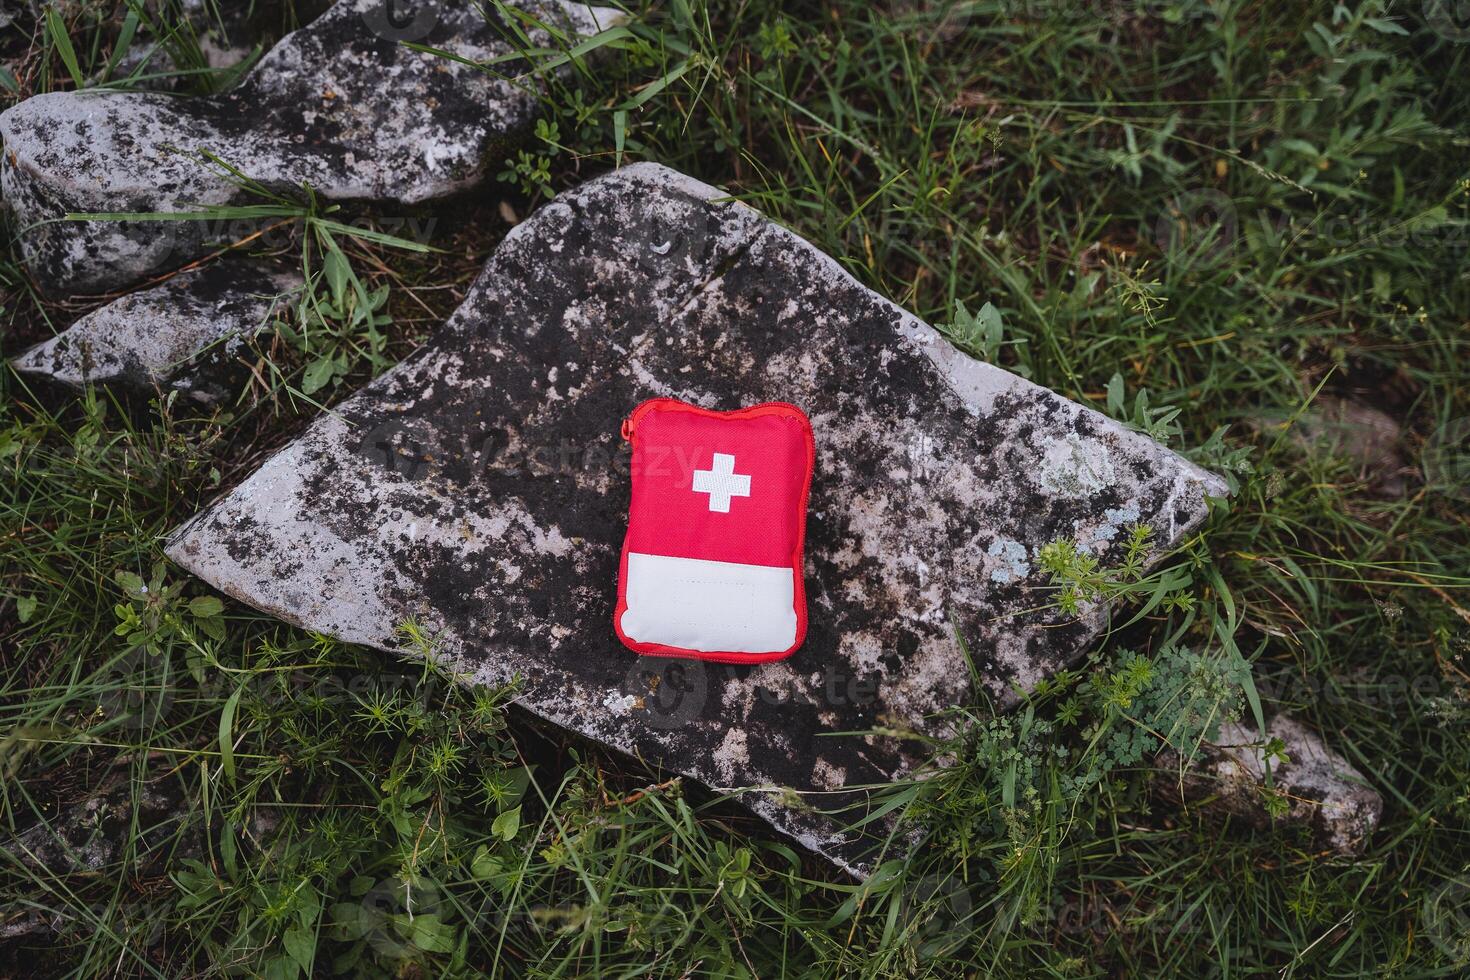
(1322, 791)
(340, 106)
(480, 488)
(187, 334)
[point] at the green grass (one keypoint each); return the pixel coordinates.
(1059, 162)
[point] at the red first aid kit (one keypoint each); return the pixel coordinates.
(712, 563)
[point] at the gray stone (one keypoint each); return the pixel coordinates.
(11, 12)
(480, 489)
(88, 834)
(1325, 793)
(14, 11)
(188, 334)
(225, 37)
(106, 825)
(341, 106)
(1367, 438)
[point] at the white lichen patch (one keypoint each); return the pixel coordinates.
(1094, 536)
(1010, 563)
(619, 704)
(828, 776)
(732, 759)
(1070, 467)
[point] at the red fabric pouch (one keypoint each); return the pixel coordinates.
(712, 563)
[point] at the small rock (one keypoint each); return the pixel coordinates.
(98, 825)
(10, 12)
(186, 335)
(225, 38)
(1365, 436)
(89, 834)
(14, 11)
(1326, 793)
(480, 488)
(341, 106)
(17, 921)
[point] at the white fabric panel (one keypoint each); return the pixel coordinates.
(709, 605)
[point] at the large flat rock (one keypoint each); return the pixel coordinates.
(187, 334)
(340, 105)
(481, 489)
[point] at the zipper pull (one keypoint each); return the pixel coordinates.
(630, 424)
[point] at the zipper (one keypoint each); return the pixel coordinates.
(630, 424)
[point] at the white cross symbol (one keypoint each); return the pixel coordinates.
(721, 482)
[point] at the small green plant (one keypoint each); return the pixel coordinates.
(1160, 424)
(530, 171)
(339, 329)
(1139, 294)
(982, 334)
(155, 613)
(1082, 579)
(773, 42)
(1033, 777)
